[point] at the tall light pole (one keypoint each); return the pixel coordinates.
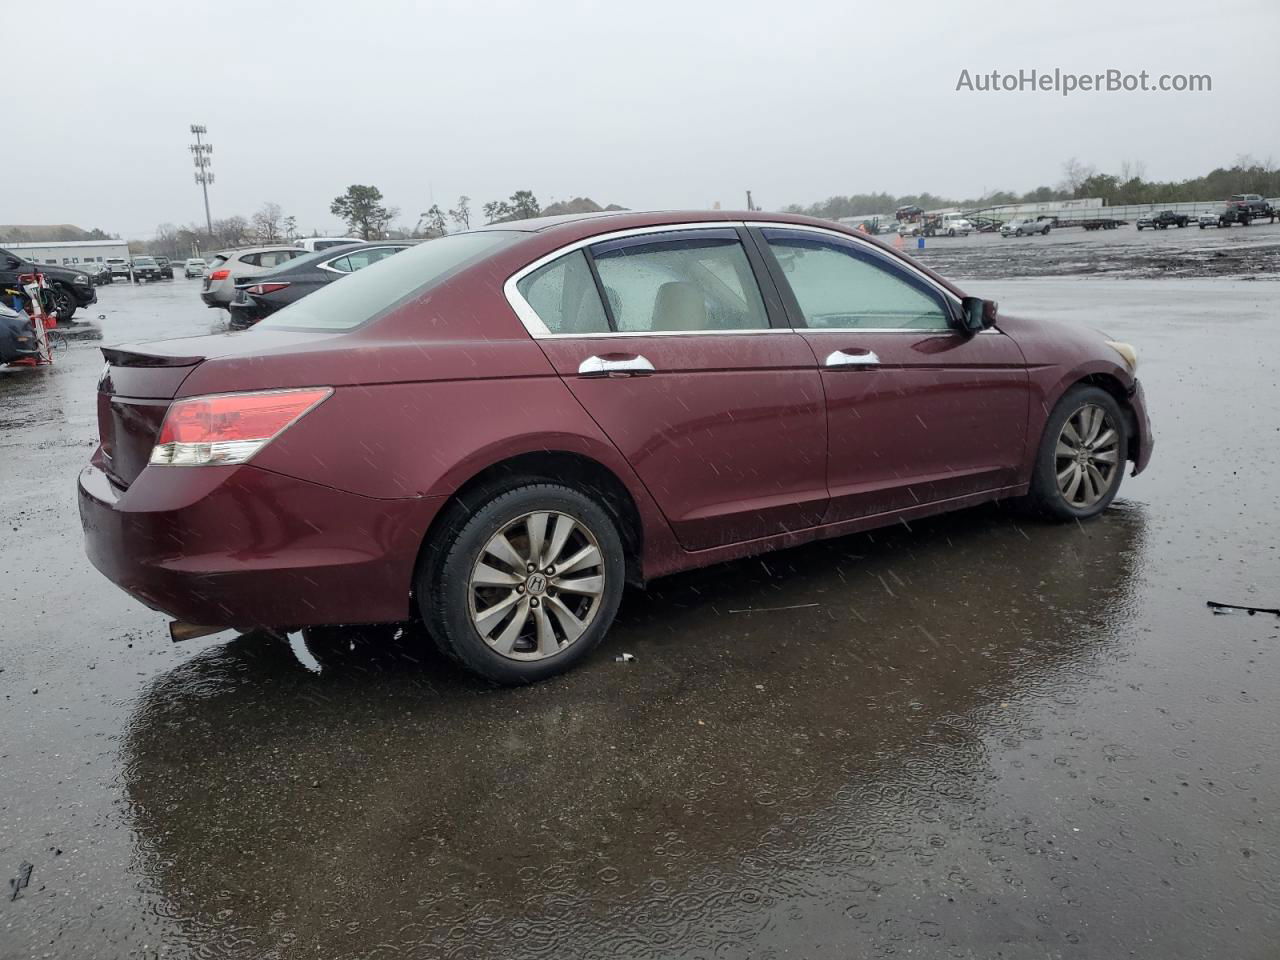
(204, 176)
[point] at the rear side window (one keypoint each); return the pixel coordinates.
(564, 296)
(252, 259)
(694, 280)
(363, 258)
(273, 258)
(371, 293)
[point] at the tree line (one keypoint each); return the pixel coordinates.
(1079, 180)
(362, 208)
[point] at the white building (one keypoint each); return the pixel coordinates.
(70, 252)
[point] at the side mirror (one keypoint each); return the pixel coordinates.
(977, 314)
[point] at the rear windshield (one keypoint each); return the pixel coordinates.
(371, 292)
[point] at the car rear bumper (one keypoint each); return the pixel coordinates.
(211, 299)
(245, 315)
(244, 547)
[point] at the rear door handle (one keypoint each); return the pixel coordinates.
(852, 358)
(636, 366)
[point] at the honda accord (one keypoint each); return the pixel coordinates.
(493, 432)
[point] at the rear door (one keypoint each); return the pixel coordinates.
(917, 412)
(667, 340)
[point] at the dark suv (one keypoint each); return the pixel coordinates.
(72, 287)
(166, 268)
(146, 268)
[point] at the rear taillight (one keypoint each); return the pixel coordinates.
(263, 288)
(219, 274)
(229, 428)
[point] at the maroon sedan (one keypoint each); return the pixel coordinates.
(497, 430)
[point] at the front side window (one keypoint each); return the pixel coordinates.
(563, 295)
(690, 280)
(839, 286)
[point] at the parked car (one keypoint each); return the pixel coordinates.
(119, 267)
(314, 244)
(231, 265)
(1250, 206)
(71, 287)
(1146, 222)
(166, 268)
(145, 268)
(17, 336)
(955, 226)
(1025, 226)
(910, 228)
(264, 294)
(194, 267)
(97, 272)
(1213, 218)
(1168, 218)
(498, 429)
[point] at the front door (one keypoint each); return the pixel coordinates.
(918, 412)
(665, 340)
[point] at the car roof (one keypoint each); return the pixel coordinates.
(236, 251)
(608, 220)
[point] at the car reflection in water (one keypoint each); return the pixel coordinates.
(750, 775)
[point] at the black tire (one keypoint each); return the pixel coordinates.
(1044, 497)
(444, 589)
(951, 232)
(64, 303)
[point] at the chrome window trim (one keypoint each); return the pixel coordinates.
(539, 330)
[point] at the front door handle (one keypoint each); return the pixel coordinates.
(615, 366)
(852, 358)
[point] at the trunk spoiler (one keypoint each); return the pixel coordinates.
(124, 357)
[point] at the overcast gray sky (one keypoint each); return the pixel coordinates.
(647, 104)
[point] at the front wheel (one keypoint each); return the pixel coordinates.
(1081, 458)
(523, 587)
(64, 304)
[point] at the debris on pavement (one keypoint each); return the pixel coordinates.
(1220, 609)
(624, 658)
(794, 606)
(21, 880)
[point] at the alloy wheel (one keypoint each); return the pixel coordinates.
(1087, 456)
(537, 586)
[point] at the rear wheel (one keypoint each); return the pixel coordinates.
(1081, 458)
(526, 585)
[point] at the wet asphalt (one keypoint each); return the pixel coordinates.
(979, 736)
